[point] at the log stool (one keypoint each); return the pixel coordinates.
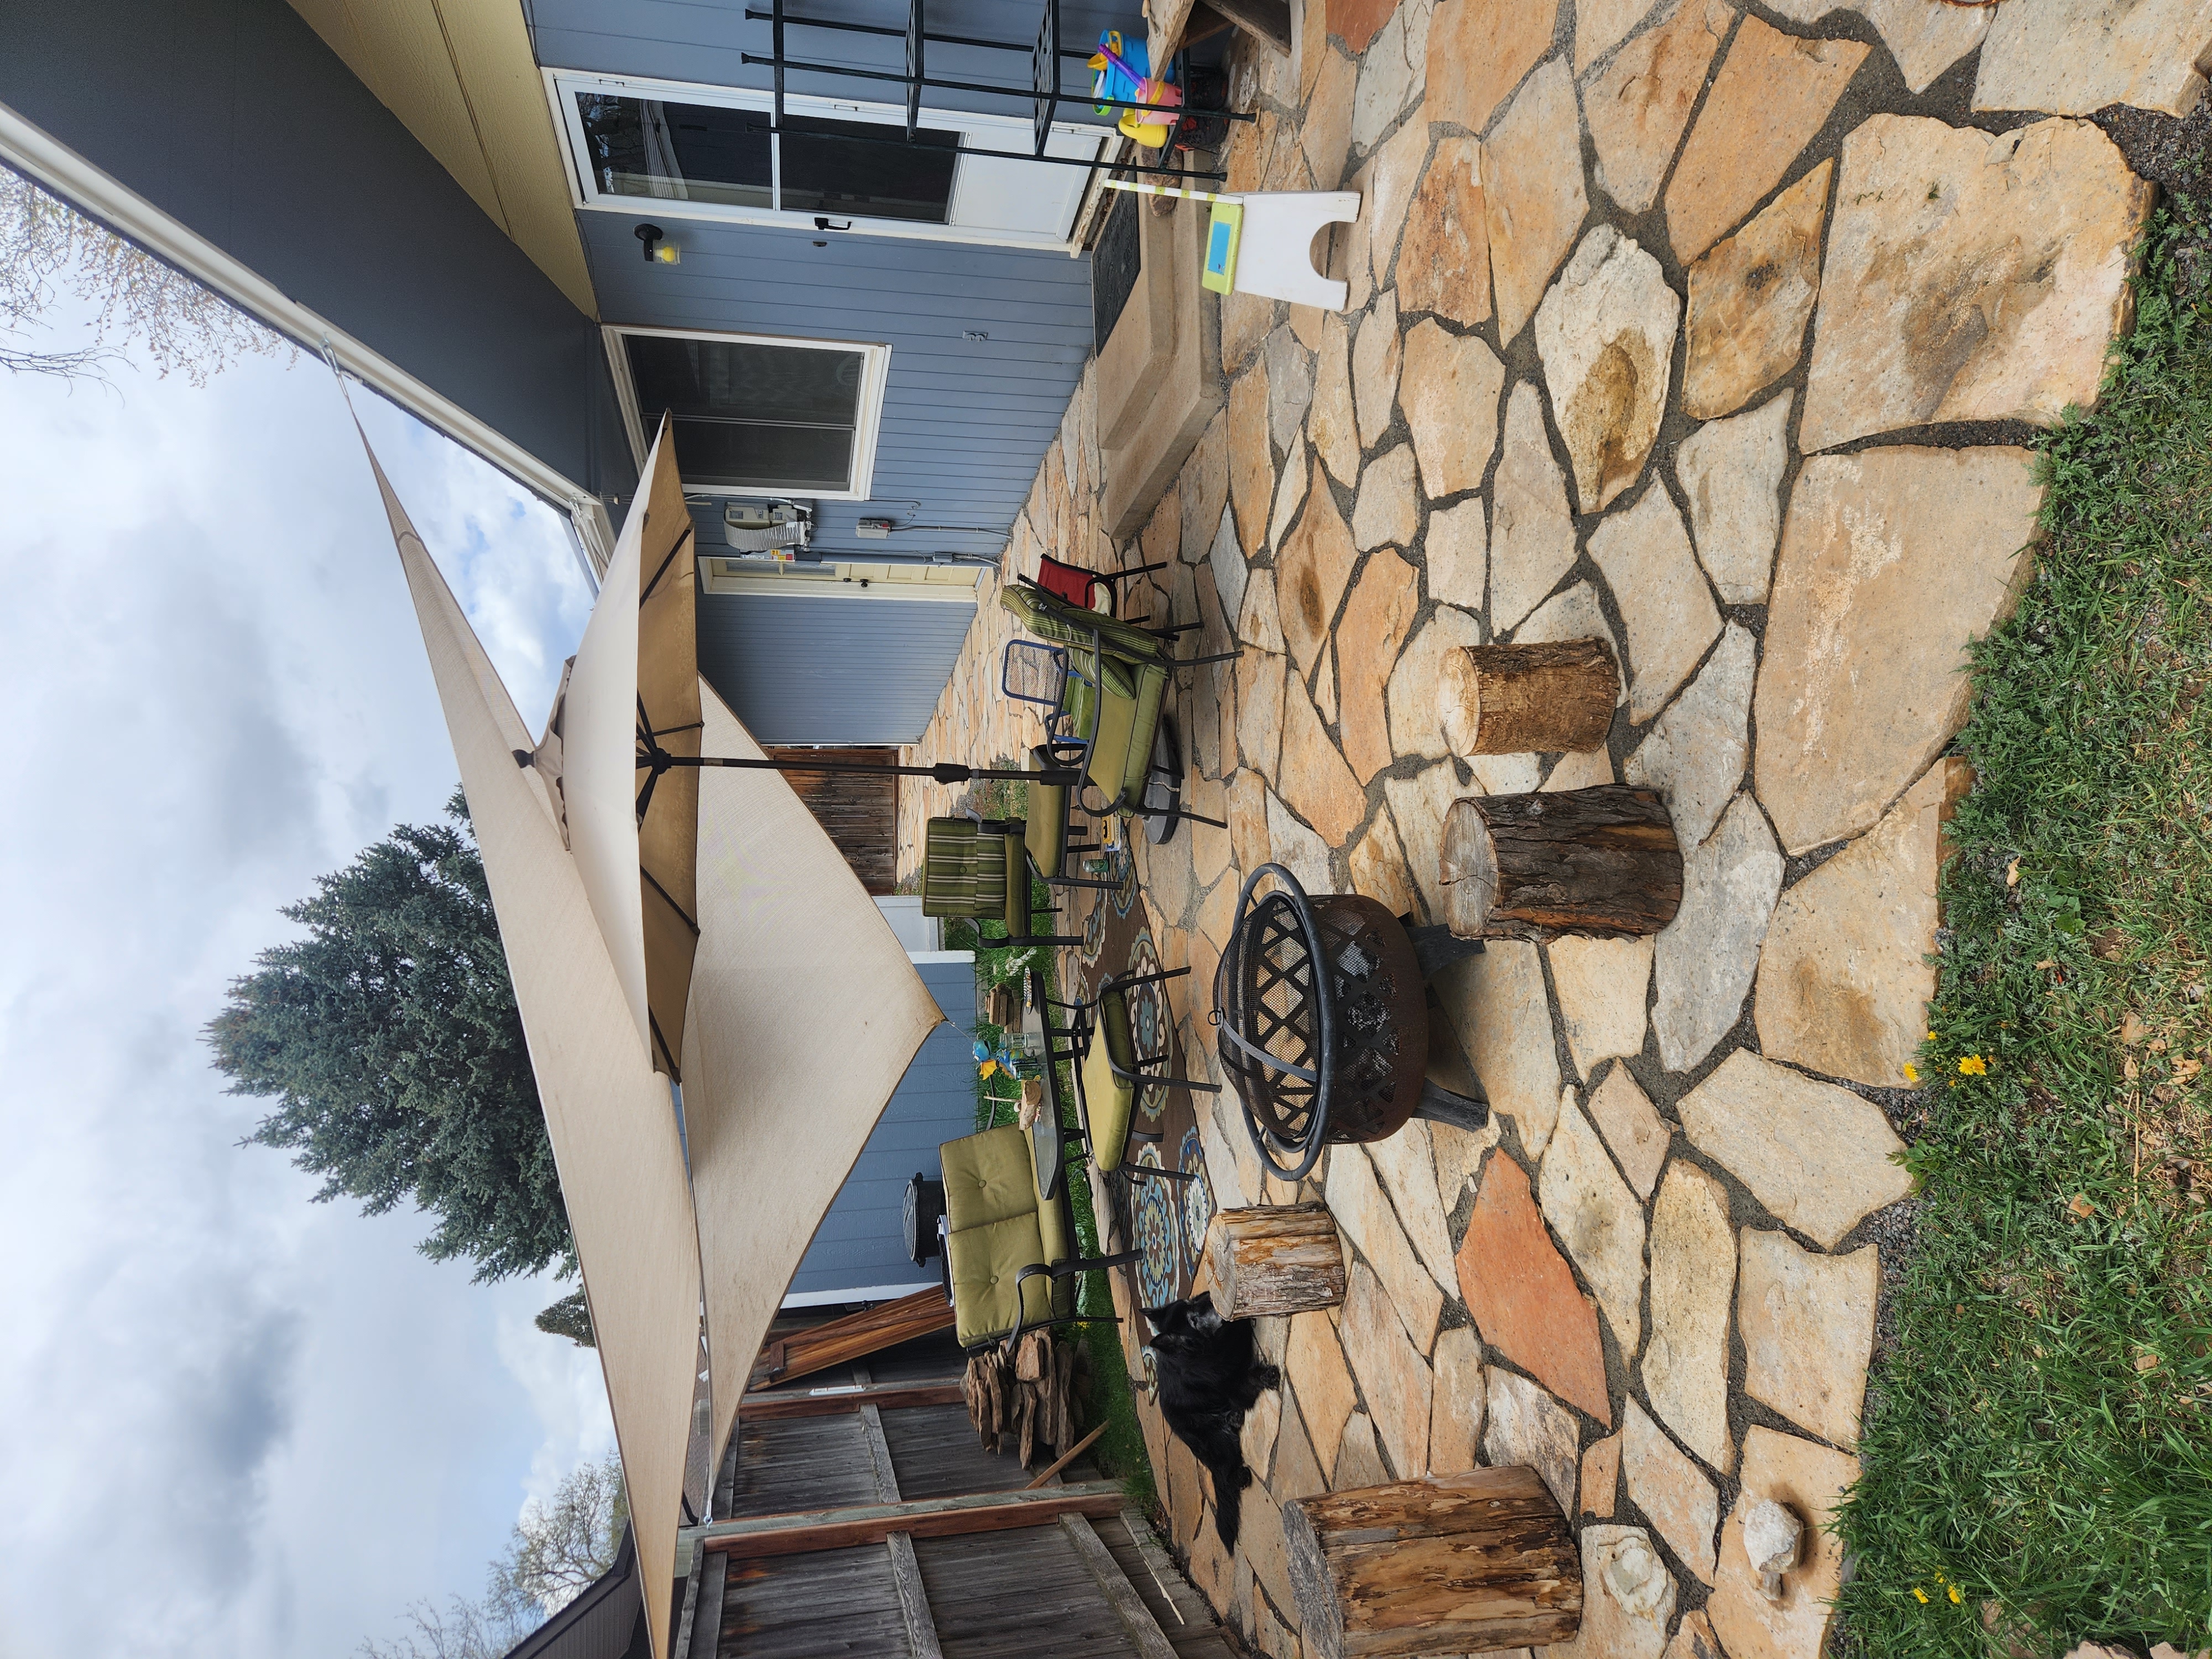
(1274, 1260)
(1525, 699)
(1602, 860)
(1453, 1563)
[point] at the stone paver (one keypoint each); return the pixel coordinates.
(1524, 1424)
(1394, 1379)
(1370, 497)
(1820, 1157)
(1497, 1001)
(1605, 332)
(1532, 192)
(1458, 1402)
(1628, 1598)
(1601, 1478)
(1750, 298)
(1695, 753)
(1449, 388)
(1365, 1215)
(1444, 254)
(1532, 530)
(2022, 238)
(1772, 93)
(1602, 984)
(1806, 1321)
(1645, 553)
(1705, 959)
(1524, 1297)
(1636, 107)
(1590, 1208)
(1808, 1481)
(1632, 1128)
(1693, 1282)
(1843, 982)
(1891, 560)
(1478, 50)
(2073, 56)
(1731, 474)
(1675, 1495)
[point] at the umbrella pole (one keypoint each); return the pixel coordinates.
(942, 771)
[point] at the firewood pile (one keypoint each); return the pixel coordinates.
(1028, 1397)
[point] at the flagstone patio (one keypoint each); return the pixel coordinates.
(1716, 332)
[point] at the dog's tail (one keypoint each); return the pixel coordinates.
(1230, 1476)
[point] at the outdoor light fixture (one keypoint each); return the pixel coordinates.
(658, 250)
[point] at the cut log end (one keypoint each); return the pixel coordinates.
(1551, 698)
(1467, 867)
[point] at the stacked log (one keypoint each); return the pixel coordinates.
(1028, 1400)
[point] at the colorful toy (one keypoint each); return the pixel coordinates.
(1121, 76)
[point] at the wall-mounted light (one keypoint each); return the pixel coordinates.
(658, 250)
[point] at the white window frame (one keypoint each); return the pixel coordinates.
(1004, 133)
(875, 374)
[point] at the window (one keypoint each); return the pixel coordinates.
(642, 147)
(680, 150)
(755, 414)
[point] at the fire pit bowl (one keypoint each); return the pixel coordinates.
(1324, 1029)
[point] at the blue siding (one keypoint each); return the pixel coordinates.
(682, 40)
(965, 422)
(859, 1243)
(234, 118)
(831, 670)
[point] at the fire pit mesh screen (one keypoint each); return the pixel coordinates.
(1324, 1031)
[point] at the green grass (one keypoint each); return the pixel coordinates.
(2040, 1436)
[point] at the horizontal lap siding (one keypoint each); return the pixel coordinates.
(965, 422)
(860, 1242)
(830, 671)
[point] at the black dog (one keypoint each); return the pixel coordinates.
(1210, 1376)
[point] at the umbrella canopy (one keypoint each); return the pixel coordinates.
(706, 928)
(635, 684)
(609, 1116)
(803, 1009)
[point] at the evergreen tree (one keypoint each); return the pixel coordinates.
(390, 1038)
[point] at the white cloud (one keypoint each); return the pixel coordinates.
(285, 1421)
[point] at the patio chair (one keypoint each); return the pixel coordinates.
(1052, 807)
(1113, 692)
(1009, 1251)
(1110, 1072)
(977, 868)
(1081, 587)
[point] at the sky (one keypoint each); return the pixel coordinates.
(237, 1422)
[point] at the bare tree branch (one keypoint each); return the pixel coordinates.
(48, 249)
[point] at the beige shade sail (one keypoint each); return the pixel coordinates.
(806, 1012)
(609, 1114)
(636, 850)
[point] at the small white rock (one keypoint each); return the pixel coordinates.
(1771, 1537)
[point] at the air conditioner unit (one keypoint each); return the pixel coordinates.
(766, 526)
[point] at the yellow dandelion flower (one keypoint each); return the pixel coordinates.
(1920, 1595)
(1973, 1066)
(1956, 1600)
(1912, 1072)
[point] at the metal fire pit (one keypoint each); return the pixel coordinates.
(1324, 1028)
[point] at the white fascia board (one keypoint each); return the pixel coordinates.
(31, 150)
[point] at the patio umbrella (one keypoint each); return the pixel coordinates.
(798, 1010)
(610, 1118)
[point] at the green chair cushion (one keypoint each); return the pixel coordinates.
(1046, 836)
(1151, 693)
(997, 1224)
(1117, 719)
(1109, 1101)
